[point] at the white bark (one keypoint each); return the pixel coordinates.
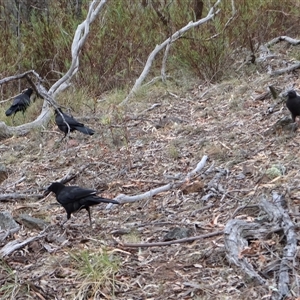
(79, 39)
(127, 199)
(212, 12)
(17, 244)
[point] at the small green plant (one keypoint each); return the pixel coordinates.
(96, 273)
(173, 151)
(275, 171)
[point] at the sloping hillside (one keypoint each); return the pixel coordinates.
(140, 149)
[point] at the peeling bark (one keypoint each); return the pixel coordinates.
(237, 234)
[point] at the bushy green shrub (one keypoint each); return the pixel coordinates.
(127, 31)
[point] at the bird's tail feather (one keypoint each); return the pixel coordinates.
(85, 130)
(9, 112)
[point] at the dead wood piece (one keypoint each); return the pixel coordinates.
(213, 11)
(5, 234)
(8, 225)
(20, 76)
(16, 244)
(128, 199)
(296, 64)
(285, 124)
(32, 222)
(283, 38)
(5, 132)
(199, 167)
(293, 67)
(16, 182)
(185, 240)
(236, 233)
(16, 196)
(275, 107)
(281, 216)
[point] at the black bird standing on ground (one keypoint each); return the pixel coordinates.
(293, 104)
(74, 198)
(20, 103)
(73, 124)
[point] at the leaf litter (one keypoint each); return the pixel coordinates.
(134, 155)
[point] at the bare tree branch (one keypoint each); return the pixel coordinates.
(212, 12)
(282, 38)
(127, 199)
(16, 244)
(80, 37)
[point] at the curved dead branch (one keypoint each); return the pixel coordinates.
(79, 39)
(283, 38)
(128, 199)
(237, 234)
(295, 65)
(212, 12)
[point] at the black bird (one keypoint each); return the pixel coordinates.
(73, 124)
(20, 103)
(293, 104)
(74, 198)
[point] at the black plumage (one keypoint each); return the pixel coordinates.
(20, 103)
(73, 124)
(74, 198)
(293, 104)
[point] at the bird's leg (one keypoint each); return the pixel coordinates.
(68, 217)
(89, 211)
(62, 224)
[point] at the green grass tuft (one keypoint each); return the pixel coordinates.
(96, 273)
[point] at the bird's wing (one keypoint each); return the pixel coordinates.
(21, 100)
(70, 120)
(58, 119)
(73, 193)
(85, 129)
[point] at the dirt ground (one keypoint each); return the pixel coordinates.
(138, 150)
